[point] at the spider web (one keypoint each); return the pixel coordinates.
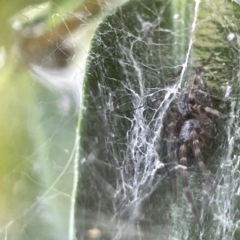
(129, 90)
(123, 188)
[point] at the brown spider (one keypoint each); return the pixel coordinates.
(189, 130)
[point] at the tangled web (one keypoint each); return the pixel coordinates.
(129, 90)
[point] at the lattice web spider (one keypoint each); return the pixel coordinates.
(189, 129)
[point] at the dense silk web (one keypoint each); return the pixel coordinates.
(132, 107)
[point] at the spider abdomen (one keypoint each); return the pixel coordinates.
(187, 128)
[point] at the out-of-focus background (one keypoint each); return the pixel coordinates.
(43, 50)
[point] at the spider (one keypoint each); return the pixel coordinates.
(188, 131)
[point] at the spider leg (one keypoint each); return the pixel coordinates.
(204, 120)
(188, 194)
(204, 134)
(215, 112)
(200, 109)
(197, 152)
(196, 79)
(171, 148)
(203, 64)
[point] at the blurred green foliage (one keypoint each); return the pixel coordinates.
(37, 140)
(133, 52)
